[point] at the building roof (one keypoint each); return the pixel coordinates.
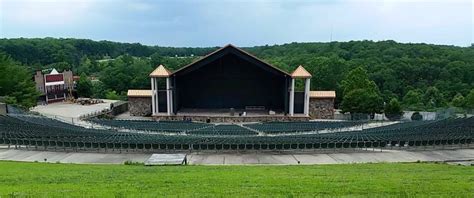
(322, 94)
(160, 71)
(232, 49)
(54, 71)
(300, 72)
(138, 93)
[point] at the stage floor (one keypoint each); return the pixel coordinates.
(227, 113)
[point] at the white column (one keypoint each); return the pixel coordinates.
(292, 97)
(306, 96)
(45, 88)
(157, 101)
(168, 95)
(153, 96)
(171, 97)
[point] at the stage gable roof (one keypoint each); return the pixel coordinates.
(229, 49)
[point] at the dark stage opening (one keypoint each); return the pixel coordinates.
(231, 80)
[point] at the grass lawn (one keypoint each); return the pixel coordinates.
(59, 180)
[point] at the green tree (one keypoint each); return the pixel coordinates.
(125, 73)
(433, 98)
(470, 100)
(458, 101)
(361, 95)
(156, 59)
(413, 100)
(358, 79)
(328, 74)
(60, 66)
(98, 89)
(112, 95)
(16, 83)
(362, 101)
(85, 66)
(393, 109)
(84, 86)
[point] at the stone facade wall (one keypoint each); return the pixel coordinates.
(3, 109)
(321, 108)
(233, 119)
(139, 106)
(68, 78)
(39, 81)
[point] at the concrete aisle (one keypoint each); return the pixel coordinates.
(71, 157)
(246, 158)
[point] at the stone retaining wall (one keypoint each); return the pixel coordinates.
(119, 107)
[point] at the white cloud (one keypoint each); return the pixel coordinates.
(243, 22)
(45, 12)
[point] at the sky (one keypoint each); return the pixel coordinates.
(193, 23)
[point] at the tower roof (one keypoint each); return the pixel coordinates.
(160, 71)
(300, 72)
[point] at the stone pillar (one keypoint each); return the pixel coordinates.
(168, 95)
(306, 96)
(292, 97)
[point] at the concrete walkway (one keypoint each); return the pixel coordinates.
(70, 113)
(70, 157)
(334, 158)
(247, 158)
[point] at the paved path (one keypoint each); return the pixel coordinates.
(70, 157)
(334, 158)
(67, 110)
(246, 158)
(70, 113)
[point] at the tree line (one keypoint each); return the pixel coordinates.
(418, 76)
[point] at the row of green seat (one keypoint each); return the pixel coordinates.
(223, 130)
(30, 132)
(292, 127)
(148, 125)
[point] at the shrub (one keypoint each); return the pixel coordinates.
(393, 110)
(129, 162)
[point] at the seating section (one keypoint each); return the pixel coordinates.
(230, 129)
(147, 125)
(39, 132)
(41, 120)
(291, 127)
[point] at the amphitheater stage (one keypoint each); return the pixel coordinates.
(452, 156)
(224, 115)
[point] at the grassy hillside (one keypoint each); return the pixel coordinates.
(383, 180)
